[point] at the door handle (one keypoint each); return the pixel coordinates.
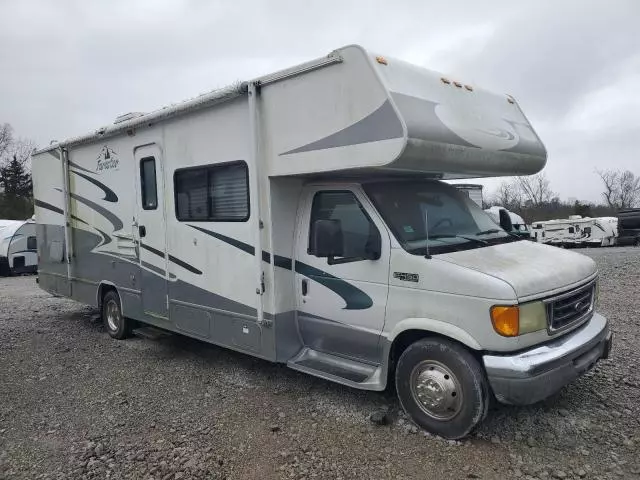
(305, 287)
(142, 231)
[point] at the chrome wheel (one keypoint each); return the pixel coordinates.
(436, 390)
(114, 319)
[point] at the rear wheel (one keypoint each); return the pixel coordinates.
(442, 387)
(116, 324)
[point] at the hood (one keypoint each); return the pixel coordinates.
(530, 268)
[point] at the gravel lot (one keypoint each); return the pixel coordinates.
(76, 404)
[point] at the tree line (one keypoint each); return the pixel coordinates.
(533, 199)
(16, 190)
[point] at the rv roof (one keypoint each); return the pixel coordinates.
(204, 100)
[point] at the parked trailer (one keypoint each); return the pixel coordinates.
(18, 253)
(473, 191)
(577, 231)
(629, 227)
(300, 217)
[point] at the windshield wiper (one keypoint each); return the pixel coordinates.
(451, 235)
(491, 230)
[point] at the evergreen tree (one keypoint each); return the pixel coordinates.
(16, 197)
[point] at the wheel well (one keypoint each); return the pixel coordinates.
(103, 288)
(406, 338)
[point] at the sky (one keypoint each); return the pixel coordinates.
(68, 67)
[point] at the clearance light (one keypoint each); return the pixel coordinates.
(381, 60)
(457, 84)
(506, 320)
(510, 99)
(469, 87)
(445, 80)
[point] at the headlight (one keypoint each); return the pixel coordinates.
(514, 320)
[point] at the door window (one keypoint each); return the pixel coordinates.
(358, 231)
(149, 188)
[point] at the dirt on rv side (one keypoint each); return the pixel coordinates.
(76, 404)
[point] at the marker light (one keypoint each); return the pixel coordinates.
(506, 320)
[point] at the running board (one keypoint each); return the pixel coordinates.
(338, 369)
(151, 333)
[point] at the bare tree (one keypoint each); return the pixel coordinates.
(508, 195)
(536, 189)
(621, 188)
(6, 139)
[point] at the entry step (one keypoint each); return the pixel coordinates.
(339, 369)
(151, 333)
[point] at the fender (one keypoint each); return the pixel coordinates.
(434, 326)
(99, 292)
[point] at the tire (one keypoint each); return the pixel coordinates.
(442, 387)
(116, 324)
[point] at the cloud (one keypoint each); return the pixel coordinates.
(70, 67)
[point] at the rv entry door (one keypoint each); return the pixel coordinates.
(151, 230)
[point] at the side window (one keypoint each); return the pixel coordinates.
(32, 244)
(359, 233)
(149, 189)
(571, 230)
(214, 193)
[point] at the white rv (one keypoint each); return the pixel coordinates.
(577, 231)
(518, 225)
(300, 217)
(18, 252)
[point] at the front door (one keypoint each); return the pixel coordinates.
(341, 304)
(151, 230)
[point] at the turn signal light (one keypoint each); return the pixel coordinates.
(506, 320)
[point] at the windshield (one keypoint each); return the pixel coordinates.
(430, 217)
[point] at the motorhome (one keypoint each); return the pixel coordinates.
(577, 231)
(629, 227)
(301, 217)
(18, 252)
(518, 225)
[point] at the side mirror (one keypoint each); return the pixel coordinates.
(505, 220)
(373, 247)
(327, 239)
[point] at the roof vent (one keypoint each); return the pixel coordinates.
(127, 116)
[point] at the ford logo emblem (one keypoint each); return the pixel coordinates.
(580, 306)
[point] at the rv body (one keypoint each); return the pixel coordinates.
(629, 227)
(301, 218)
(18, 247)
(577, 231)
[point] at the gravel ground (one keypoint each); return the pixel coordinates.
(76, 404)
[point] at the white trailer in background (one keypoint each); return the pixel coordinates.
(473, 191)
(18, 249)
(577, 231)
(300, 217)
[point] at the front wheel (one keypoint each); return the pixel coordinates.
(116, 324)
(442, 387)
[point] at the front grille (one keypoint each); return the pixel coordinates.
(571, 307)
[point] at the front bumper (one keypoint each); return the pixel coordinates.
(537, 373)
